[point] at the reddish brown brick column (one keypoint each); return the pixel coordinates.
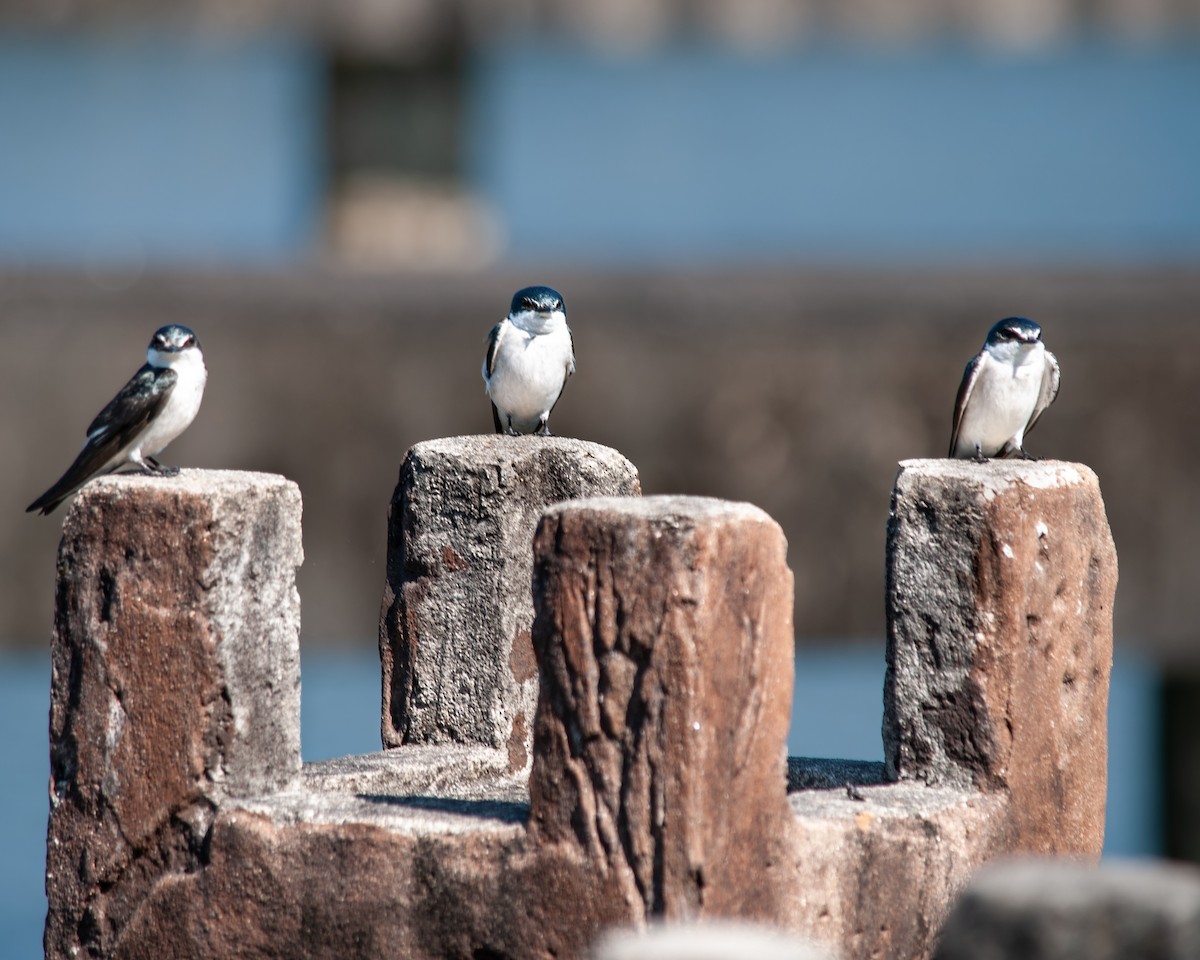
(664, 640)
(175, 685)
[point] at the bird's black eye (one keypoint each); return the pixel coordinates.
(190, 341)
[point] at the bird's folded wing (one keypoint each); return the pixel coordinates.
(494, 338)
(970, 374)
(1049, 391)
(127, 414)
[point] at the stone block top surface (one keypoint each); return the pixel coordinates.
(218, 483)
(411, 816)
(499, 448)
(421, 789)
(899, 802)
(670, 508)
(996, 475)
(450, 770)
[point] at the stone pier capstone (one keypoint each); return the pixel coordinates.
(175, 683)
(1001, 579)
(664, 640)
(454, 635)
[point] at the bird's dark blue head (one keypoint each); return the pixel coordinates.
(172, 338)
(538, 300)
(1014, 330)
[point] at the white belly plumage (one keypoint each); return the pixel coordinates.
(527, 375)
(176, 415)
(998, 411)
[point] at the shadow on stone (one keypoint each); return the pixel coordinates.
(502, 810)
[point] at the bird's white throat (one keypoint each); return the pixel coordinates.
(537, 322)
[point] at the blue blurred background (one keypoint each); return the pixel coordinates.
(834, 199)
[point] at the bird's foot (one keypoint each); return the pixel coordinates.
(151, 466)
(1025, 454)
(978, 456)
(543, 428)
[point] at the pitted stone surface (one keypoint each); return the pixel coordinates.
(1001, 580)
(876, 876)
(1057, 910)
(664, 640)
(175, 681)
(454, 629)
(664, 648)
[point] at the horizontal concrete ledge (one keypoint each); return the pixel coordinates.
(810, 773)
(404, 816)
(428, 789)
(892, 801)
(452, 770)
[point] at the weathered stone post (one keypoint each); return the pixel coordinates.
(454, 641)
(175, 683)
(664, 640)
(1001, 579)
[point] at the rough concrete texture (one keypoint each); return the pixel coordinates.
(1001, 579)
(454, 629)
(1057, 910)
(659, 783)
(175, 682)
(878, 870)
(659, 746)
(419, 878)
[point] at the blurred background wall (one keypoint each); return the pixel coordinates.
(781, 227)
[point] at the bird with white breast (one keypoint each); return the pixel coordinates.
(1005, 388)
(530, 354)
(157, 404)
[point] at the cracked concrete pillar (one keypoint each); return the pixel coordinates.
(664, 642)
(454, 640)
(1000, 586)
(175, 683)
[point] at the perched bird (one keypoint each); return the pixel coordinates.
(530, 354)
(1005, 388)
(150, 411)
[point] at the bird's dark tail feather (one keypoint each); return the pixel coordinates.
(76, 476)
(49, 501)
